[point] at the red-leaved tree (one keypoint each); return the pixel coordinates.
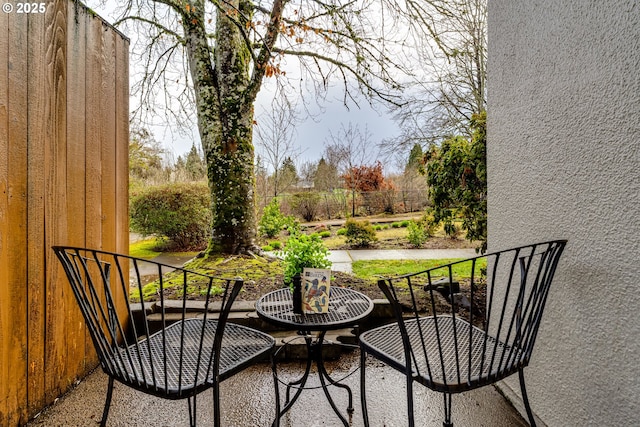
(369, 181)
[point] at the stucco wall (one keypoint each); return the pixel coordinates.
(564, 162)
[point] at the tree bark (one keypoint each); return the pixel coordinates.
(225, 120)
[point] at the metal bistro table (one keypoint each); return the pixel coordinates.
(346, 308)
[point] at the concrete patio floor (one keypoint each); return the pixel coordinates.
(247, 399)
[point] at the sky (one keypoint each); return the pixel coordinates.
(311, 134)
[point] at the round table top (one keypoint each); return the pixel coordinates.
(346, 307)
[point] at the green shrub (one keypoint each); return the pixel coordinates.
(430, 224)
(272, 221)
(267, 248)
(417, 233)
(341, 232)
(359, 233)
(451, 229)
(291, 224)
(404, 223)
(275, 245)
(395, 225)
(179, 212)
(325, 234)
(305, 204)
(302, 250)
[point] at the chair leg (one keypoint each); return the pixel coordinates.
(191, 402)
(107, 404)
(447, 410)
(409, 377)
(276, 422)
(525, 399)
(363, 396)
(216, 405)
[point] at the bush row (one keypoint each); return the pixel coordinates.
(181, 213)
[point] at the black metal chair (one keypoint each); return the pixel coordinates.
(466, 324)
(144, 336)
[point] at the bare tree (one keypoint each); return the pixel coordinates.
(450, 86)
(275, 139)
(348, 149)
(229, 47)
(308, 171)
(262, 177)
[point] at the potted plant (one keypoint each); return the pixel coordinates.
(300, 251)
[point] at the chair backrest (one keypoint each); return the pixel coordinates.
(501, 294)
(128, 305)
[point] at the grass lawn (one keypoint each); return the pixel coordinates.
(145, 249)
(372, 270)
(152, 247)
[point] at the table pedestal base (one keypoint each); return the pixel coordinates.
(314, 353)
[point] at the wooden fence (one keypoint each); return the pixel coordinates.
(63, 180)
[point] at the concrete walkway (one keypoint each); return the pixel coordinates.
(341, 260)
(247, 400)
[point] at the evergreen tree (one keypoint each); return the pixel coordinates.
(194, 165)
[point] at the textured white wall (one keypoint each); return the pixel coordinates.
(564, 162)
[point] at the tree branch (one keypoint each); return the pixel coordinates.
(261, 62)
(152, 23)
(343, 66)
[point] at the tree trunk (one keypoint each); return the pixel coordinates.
(225, 120)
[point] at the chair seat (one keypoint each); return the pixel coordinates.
(454, 356)
(186, 371)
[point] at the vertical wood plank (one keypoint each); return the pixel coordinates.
(38, 141)
(121, 219)
(94, 123)
(93, 152)
(55, 225)
(108, 139)
(5, 302)
(122, 144)
(76, 57)
(17, 210)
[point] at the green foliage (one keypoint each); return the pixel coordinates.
(267, 248)
(145, 154)
(194, 165)
(275, 244)
(396, 224)
(451, 229)
(417, 233)
(272, 221)
(326, 176)
(404, 223)
(457, 177)
(305, 204)
(291, 224)
(303, 250)
(145, 158)
(180, 212)
(324, 234)
(341, 232)
(415, 159)
(359, 233)
(429, 223)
